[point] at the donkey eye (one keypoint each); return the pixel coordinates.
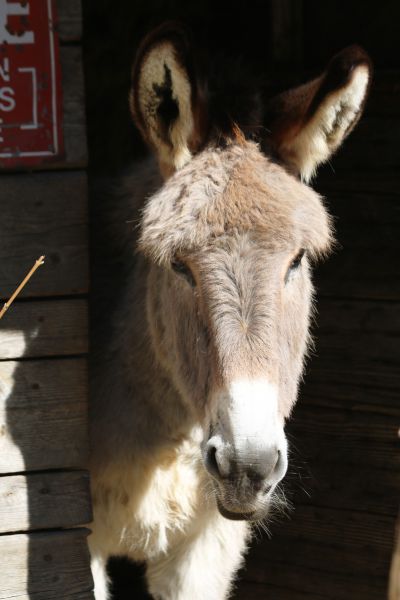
(182, 269)
(294, 264)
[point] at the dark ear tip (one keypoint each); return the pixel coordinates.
(173, 31)
(343, 64)
(170, 28)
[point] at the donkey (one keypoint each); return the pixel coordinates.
(199, 366)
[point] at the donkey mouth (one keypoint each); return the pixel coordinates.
(236, 516)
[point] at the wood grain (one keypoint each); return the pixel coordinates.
(367, 219)
(365, 437)
(58, 596)
(357, 336)
(250, 590)
(337, 554)
(44, 213)
(73, 110)
(46, 566)
(69, 20)
(43, 414)
(44, 501)
(44, 328)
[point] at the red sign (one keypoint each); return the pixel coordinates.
(30, 84)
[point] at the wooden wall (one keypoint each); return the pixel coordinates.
(44, 489)
(343, 481)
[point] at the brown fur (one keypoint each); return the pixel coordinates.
(176, 344)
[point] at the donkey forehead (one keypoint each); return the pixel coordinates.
(232, 191)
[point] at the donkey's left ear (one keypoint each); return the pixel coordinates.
(164, 97)
(307, 124)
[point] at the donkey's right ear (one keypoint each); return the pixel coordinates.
(308, 123)
(164, 96)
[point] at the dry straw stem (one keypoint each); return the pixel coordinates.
(7, 305)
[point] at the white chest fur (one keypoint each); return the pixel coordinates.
(142, 509)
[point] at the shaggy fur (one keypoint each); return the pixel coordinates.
(197, 366)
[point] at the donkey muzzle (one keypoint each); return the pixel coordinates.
(261, 468)
(246, 453)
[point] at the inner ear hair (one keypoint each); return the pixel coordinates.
(163, 94)
(310, 122)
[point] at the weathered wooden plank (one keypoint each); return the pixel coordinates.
(43, 414)
(246, 590)
(44, 328)
(367, 219)
(73, 109)
(286, 581)
(338, 554)
(355, 365)
(332, 483)
(362, 390)
(69, 20)
(337, 528)
(84, 596)
(44, 501)
(78, 596)
(358, 335)
(364, 437)
(46, 566)
(44, 213)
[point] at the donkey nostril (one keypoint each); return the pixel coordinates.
(218, 459)
(211, 462)
(278, 463)
(278, 459)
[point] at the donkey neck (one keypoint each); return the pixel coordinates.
(135, 408)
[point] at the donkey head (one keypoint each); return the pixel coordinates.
(231, 236)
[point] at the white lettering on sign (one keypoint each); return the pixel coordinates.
(5, 69)
(11, 10)
(7, 100)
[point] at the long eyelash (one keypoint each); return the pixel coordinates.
(297, 259)
(294, 264)
(182, 269)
